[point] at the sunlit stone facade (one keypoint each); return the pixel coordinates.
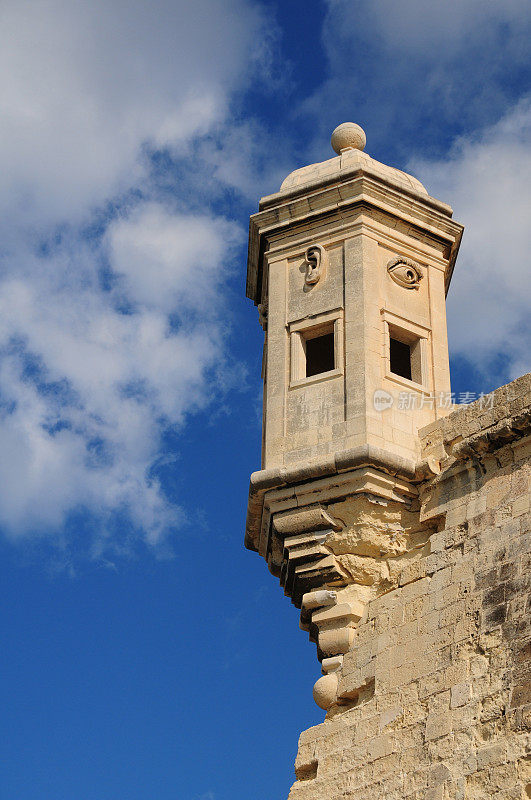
(395, 522)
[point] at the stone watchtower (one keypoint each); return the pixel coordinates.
(394, 522)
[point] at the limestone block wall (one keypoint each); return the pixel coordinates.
(434, 696)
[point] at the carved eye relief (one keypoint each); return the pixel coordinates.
(404, 272)
(315, 257)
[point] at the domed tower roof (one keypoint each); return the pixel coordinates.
(352, 182)
(348, 140)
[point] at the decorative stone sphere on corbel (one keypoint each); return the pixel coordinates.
(325, 689)
(405, 272)
(315, 260)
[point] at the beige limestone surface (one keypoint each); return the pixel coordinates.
(400, 528)
(369, 227)
(434, 694)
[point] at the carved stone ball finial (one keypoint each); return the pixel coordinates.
(325, 690)
(348, 136)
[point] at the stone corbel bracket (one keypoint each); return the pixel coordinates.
(331, 625)
(289, 524)
(366, 469)
(427, 469)
(325, 689)
(296, 553)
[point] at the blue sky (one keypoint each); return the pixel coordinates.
(145, 652)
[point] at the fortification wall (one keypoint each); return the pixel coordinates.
(434, 697)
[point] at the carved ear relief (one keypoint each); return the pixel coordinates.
(405, 272)
(315, 257)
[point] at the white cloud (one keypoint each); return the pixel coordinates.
(81, 425)
(172, 261)
(84, 85)
(487, 180)
(105, 337)
(448, 26)
(247, 158)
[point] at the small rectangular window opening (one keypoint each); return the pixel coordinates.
(406, 357)
(320, 355)
(400, 358)
(315, 348)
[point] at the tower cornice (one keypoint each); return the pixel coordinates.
(296, 210)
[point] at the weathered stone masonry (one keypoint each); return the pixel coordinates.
(448, 650)
(401, 530)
